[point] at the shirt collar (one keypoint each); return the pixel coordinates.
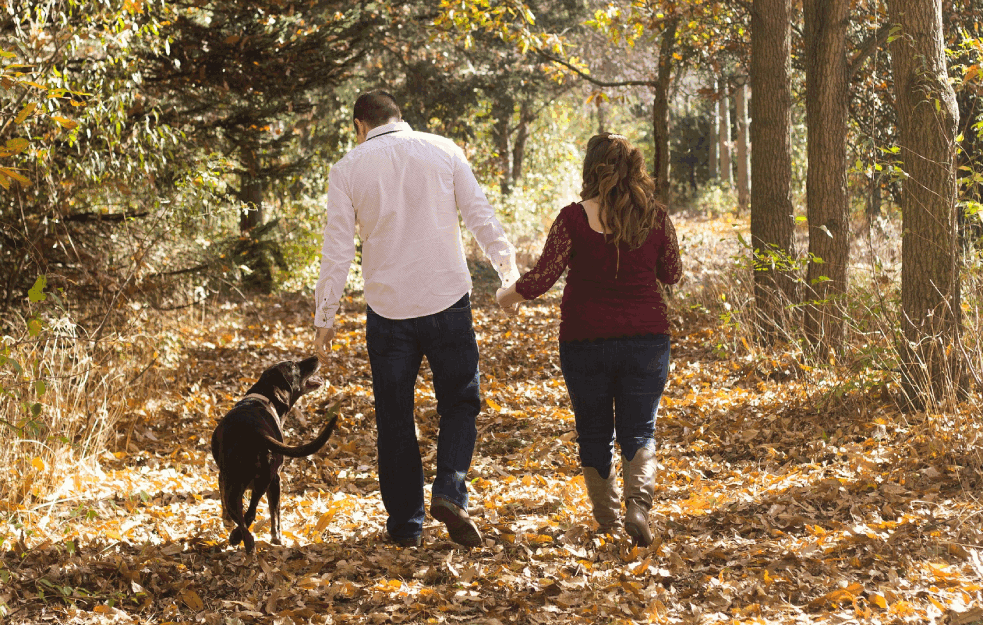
(387, 128)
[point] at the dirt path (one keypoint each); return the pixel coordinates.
(781, 497)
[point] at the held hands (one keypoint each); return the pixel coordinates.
(508, 298)
(322, 344)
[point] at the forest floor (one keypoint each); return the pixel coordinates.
(785, 494)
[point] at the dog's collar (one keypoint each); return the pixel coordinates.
(263, 399)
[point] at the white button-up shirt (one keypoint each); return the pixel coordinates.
(404, 190)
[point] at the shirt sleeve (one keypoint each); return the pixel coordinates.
(670, 268)
(337, 250)
(479, 219)
(554, 259)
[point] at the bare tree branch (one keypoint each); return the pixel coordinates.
(867, 48)
(591, 79)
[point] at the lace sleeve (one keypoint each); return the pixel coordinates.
(670, 268)
(549, 268)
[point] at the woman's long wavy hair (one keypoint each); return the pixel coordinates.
(614, 173)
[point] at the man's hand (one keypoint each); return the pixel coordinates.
(322, 344)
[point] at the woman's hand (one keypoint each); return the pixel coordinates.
(508, 298)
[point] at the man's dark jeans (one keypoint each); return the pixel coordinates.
(396, 350)
(615, 386)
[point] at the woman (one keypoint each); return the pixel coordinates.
(614, 327)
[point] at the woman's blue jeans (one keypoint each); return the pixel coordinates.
(396, 349)
(615, 386)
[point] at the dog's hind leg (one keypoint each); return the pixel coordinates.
(232, 503)
(273, 499)
(259, 487)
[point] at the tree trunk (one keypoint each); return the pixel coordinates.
(743, 146)
(250, 193)
(927, 120)
(828, 211)
(252, 251)
(714, 147)
(772, 222)
(521, 137)
(602, 114)
(502, 111)
(872, 209)
(723, 136)
(660, 113)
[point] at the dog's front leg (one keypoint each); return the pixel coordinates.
(273, 498)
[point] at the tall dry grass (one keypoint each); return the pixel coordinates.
(63, 393)
(719, 284)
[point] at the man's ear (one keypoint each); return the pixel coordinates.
(361, 131)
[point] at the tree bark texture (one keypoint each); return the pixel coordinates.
(723, 136)
(828, 212)
(927, 120)
(521, 137)
(772, 222)
(714, 143)
(602, 114)
(743, 145)
(252, 250)
(250, 192)
(502, 112)
(660, 113)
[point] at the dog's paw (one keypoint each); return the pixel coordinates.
(235, 537)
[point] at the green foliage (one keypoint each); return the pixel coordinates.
(22, 375)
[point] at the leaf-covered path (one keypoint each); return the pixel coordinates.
(780, 498)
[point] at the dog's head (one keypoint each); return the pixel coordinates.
(289, 380)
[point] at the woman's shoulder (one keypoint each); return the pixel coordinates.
(571, 211)
(661, 225)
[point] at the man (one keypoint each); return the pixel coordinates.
(404, 190)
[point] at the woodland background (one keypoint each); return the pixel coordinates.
(164, 168)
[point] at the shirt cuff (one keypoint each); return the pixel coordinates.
(324, 317)
(507, 271)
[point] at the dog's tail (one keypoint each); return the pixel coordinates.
(300, 451)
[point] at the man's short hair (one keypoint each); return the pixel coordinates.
(376, 108)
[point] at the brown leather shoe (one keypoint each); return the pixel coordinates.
(460, 527)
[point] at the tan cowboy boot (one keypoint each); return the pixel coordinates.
(604, 498)
(639, 491)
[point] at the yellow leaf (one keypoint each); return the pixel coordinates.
(18, 145)
(324, 520)
(64, 122)
(879, 601)
(491, 404)
(192, 600)
(38, 463)
(27, 110)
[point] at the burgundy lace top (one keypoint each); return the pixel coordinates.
(610, 292)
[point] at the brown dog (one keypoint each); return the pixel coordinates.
(248, 448)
